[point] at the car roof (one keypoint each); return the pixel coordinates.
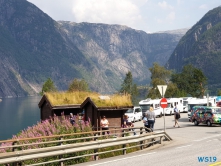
(206, 107)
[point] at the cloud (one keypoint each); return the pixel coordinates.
(124, 12)
(204, 6)
(164, 5)
(171, 16)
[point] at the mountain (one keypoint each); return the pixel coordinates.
(201, 47)
(31, 50)
(34, 47)
(116, 49)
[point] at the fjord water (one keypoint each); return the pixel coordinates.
(17, 114)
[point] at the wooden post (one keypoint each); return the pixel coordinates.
(15, 149)
(96, 150)
(124, 149)
(141, 130)
(160, 140)
(61, 156)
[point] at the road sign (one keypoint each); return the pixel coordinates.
(162, 89)
(163, 102)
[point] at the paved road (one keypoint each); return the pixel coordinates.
(189, 143)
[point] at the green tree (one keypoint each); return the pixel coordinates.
(161, 76)
(219, 92)
(48, 86)
(190, 81)
(78, 85)
(129, 87)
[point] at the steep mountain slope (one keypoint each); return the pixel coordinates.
(201, 46)
(34, 47)
(31, 50)
(117, 49)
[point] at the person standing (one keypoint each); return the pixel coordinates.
(145, 121)
(176, 117)
(72, 121)
(151, 118)
(104, 124)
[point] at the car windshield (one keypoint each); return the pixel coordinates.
(217, 111)
(145, 107)
(168, 105)
(190, 106)
(130, 111)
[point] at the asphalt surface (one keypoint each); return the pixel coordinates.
(190, 144)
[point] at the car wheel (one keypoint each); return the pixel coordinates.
(196, 122)
(209, 123)
(160, 115)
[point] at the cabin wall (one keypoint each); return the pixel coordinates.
(46, 111)
(114, 117)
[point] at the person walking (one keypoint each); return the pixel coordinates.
(151, 118)
(104, 125)
(176, 116)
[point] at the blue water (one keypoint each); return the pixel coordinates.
(17, 114)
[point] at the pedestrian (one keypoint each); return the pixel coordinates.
(145, 121)
(104, 125)
(176, 117)
(72, 119)
(151, 118)
(127, 123)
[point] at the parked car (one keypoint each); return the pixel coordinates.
(134, 114)
(211, 101)
(206, 115)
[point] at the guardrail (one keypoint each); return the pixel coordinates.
(94, 142)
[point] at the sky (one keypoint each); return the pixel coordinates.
(147, 15)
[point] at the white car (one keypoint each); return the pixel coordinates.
(134, 114)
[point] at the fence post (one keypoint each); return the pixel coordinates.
(61, 156)
(141, 142)
(141, 130)
(123, 135)
(96, 150)
(15, 149)
(160, 140)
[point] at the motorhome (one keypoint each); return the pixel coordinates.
(155, 103)
(175, 102)
(210, 101)
(186, 100)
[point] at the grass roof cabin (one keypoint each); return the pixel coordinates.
(57, 103)
(93, 104)
(113, 107)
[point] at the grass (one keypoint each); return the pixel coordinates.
(74, 98)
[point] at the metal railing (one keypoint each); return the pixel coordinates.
(93, 141)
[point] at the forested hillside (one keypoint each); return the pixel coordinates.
(201, 47)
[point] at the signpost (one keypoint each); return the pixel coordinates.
(163, 102)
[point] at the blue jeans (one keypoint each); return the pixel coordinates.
(151, 124)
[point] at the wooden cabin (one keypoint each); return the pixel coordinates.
(94, 113)
(48, 110)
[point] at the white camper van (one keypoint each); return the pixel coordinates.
(173, 102)
(211, 101)
(155, 103)
(186, 100)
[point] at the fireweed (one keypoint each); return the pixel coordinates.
(53, 126)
